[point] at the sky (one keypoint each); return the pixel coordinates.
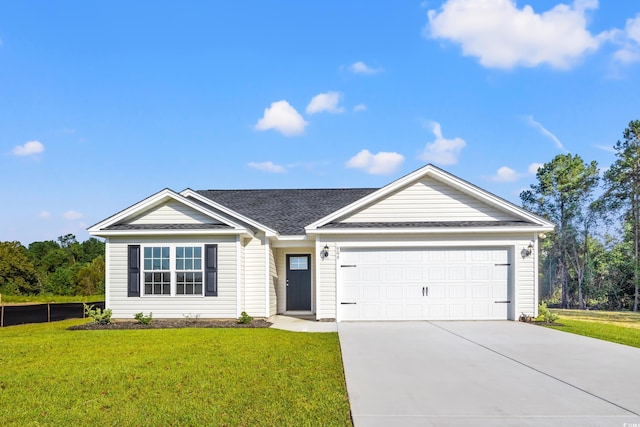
(103, 104)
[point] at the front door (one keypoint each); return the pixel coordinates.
(298, 282)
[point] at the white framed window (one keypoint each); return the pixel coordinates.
(173, 270)
(188, 270)
(157, 274)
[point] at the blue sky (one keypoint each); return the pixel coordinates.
(105, 103)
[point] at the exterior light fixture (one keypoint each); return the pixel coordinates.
(526, 252)
(324, 252)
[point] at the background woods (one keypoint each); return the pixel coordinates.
(591, 259)
(62, 267)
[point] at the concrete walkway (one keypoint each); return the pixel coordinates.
(486, 374)
(295, 324)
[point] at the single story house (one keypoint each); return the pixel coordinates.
(428, 246)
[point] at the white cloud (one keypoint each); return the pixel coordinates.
(29, 148)
(629, 39)
(44, 214)
(72, 215)
(530, 120)
(325, 102)
(382, 163)
(505, 174)
(267, 167)
(533, 168)
(362, 68)
(359, 107)
(281, 116)
(607, 148)
(443, 151)
(503, 36)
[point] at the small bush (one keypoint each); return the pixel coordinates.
(545, 314)
(245, 318)
(97, 315)
(141, 318)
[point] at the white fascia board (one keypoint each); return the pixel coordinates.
(190, 193)
(435, 230)
(201, 232)
(154, 200)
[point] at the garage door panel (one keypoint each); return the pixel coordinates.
(395, 293)
(424, 284)
(372, 274)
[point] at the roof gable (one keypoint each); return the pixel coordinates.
(165, 212)
(429, 196)
(428, 200)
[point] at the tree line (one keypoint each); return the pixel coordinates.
(582, 263)
(62, 267)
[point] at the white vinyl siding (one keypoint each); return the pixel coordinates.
(172, 212)
(525, 278)
(273, 281)
(223, 306)
(255, 276)
(327, 281)
(428, 200)
(280, 281)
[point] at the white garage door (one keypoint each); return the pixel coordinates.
(424, 284)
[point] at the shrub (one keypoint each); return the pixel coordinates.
(141, 318)
(545, 314)
(245, 318)
(97, 315)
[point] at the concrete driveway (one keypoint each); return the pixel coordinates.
(486, 374)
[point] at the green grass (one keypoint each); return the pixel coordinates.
(170, 377)
(619, 327)
(8, 299)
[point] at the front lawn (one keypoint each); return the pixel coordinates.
(619, 327)
(183, 377)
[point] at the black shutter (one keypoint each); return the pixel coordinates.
(133, 288)
(211, 270)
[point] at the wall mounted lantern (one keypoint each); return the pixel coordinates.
(526, 252)
(324, 252)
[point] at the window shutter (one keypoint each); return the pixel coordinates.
(133, 288)
(211, 270)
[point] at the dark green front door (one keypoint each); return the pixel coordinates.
(298, 282)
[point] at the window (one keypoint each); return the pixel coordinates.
(189, 270)
(298, 263)
(172, 270)
(157, 276)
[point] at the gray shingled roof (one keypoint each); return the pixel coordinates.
(286, 211)
(129, 227)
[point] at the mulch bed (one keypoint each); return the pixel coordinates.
(173, 324)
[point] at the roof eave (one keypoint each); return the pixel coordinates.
(225, 232)
(433, 230)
